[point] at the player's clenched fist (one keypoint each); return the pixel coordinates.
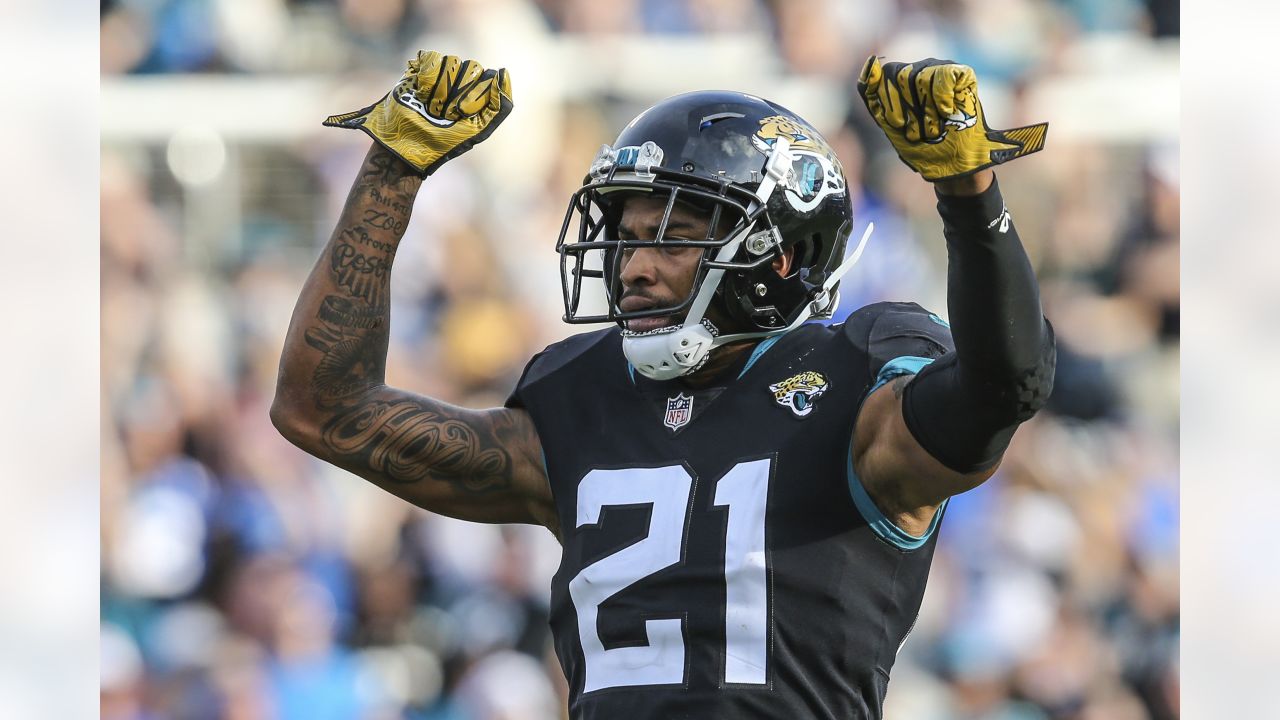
(931, 113)
(440, 108)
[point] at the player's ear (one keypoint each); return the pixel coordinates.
(782, 264)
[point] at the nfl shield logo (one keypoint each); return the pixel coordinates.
(679, 410)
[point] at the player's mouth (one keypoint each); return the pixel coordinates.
(635, 303)
(644, 325)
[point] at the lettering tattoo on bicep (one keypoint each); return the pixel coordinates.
(404, 439)
(408, 440)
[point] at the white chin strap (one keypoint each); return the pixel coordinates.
(670, 352)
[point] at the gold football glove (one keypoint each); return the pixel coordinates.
(931, 113)
(439, 109)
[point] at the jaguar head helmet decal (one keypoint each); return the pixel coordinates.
(816, 172)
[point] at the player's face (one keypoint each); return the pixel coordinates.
(658, 277)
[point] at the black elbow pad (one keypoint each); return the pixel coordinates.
(1036, 383)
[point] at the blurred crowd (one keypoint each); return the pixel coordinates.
(243, 579)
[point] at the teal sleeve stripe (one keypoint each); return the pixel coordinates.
(881, 525)
(902, 365)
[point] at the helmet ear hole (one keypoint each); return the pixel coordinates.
(804, 253)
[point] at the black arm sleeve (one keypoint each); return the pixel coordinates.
(964, 408)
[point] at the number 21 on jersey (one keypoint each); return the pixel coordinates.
(744, 492)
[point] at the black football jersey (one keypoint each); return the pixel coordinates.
(720, 557)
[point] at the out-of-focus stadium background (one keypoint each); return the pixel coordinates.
(241, 579)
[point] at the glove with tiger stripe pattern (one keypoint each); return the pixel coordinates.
(930, 111)
(440, 109)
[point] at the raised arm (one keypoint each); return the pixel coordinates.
(922, 438)
(331, 398)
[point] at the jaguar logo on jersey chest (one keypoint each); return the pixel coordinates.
(799, 392)
(679, 410)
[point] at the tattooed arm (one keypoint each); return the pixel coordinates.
(331, 399)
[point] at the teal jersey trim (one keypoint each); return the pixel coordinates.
(934, 317)
(902, 365)
(881, 525)
(758, 351)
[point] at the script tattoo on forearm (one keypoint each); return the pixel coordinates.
(410, 440)
(366, 276)
(387, 169)
(351, 328)
(383, 221)
(358, 235)
(364, 250)
(389, 201)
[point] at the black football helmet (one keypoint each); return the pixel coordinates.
(769, 183)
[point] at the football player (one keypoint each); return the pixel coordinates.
(747, 501)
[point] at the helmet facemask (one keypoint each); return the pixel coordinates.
(600, 250)
(735, 268)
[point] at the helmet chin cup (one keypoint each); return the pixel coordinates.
(669, 352)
